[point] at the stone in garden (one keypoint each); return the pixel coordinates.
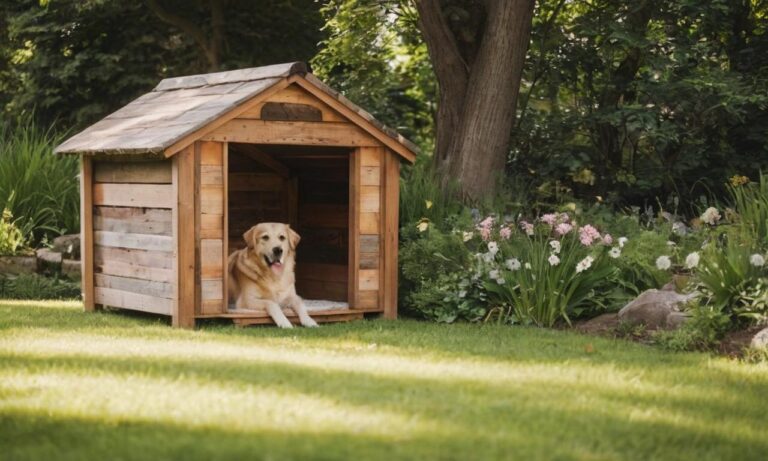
(760, 340)
(68, 245)
(48, 256)
(15, 265)
(653, 308)
(71, 268)
(676, 319)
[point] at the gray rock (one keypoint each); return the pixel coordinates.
(71, 268)
(15, 265)
(653, 308)
(676, 319)
(48, 256)
(760, 340)
(68, 245)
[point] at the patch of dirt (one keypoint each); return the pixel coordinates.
(734, 342)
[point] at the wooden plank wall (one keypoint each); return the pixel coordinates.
(211, 251)
(133, 248)
(366, 223)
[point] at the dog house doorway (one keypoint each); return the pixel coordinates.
(308, 188)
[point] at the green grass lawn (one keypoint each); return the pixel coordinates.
(110, 386)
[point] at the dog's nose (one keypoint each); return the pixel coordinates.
(277, 251)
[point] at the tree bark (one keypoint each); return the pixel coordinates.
(478, 94)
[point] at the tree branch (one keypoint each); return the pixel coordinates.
(188, 27)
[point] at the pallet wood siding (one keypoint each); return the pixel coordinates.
(369, 227)
(131, 228)
(210, 251)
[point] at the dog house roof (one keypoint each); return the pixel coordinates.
(181, 106)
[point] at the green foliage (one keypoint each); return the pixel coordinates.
(751, 201)
(726, 273)
(638, 261)
(422, 199)
(11, 238)
(35, 286)
(633, 101)
(40, 189)
(701, 332)
(375, 56)
(77, 61)
(536, 281)
(433, 281)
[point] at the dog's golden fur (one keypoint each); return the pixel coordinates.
(261, 276)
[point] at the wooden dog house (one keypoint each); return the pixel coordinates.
(170, 182)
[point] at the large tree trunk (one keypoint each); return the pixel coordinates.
(478, 88)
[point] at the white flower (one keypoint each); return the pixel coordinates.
(671, 243)
(615, 252)
(528, 266)
(493, 248)
(622, 241)
(663, 262)
(487, 257)
(501, 281)
(711, 216)
(553, 260)
(513, 264)
(555, 246)
(467, 236)
(584, 264)
(692, 260)
(757, 260)
(494, 274)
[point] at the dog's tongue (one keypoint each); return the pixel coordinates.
(277, 268)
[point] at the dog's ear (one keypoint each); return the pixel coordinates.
(293, 238)
(248, 237)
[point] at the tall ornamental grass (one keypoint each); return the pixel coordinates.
(39, 189)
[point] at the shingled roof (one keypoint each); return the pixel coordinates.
(178, 107)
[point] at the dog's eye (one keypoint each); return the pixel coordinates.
(282, 238)
(265, 237)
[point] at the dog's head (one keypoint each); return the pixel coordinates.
(273, 244)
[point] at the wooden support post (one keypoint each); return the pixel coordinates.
(353, 289)
(184, 238)
(390, 210)
(86, 231)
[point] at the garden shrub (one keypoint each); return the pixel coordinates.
(39, 188)
(35, 286)
(11, 238)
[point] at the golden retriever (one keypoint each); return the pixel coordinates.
(261, 275)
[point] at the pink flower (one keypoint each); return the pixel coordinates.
(563, 228)
(607, 239)
(485, 233)
(527, 227)
(505, 233)
(564, 217)
(588, 234)
(485, 228)
(549, 218)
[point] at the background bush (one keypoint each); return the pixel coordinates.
(40, 189)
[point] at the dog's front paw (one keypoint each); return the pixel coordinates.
(283, 323)
(309, 322)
